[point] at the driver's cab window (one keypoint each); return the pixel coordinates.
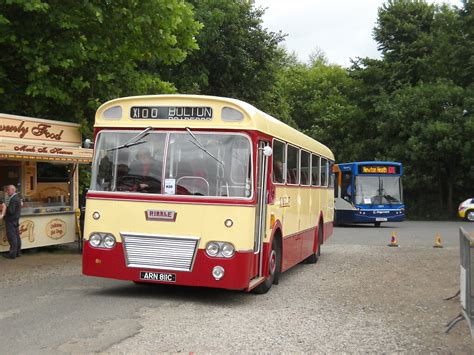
(208, 164)
(346, 186)
(128, 162)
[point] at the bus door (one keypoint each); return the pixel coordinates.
(344, 195)
(261, 211)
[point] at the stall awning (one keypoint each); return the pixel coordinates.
(14, 151)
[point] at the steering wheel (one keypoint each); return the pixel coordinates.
(128, 183)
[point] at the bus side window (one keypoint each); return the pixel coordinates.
(278, 162)
(331, 174)
(304, 168)
(292, 171)
(315, 176)
(324, 172)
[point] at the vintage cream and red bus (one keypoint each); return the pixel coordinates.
(203, 191)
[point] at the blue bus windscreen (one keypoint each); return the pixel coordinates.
(369, 192)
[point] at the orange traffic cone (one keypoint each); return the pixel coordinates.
(393, 240)
(437, 243)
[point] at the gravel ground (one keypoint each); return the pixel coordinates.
(356, 299)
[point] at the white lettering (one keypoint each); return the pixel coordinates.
(135, 113)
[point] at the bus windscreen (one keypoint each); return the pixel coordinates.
(378, 190)
(174, 163)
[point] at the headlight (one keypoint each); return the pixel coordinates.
(220, 249)
(95, 240)
(109, 241)
(102, 240)
(212, 249)
(227, 250)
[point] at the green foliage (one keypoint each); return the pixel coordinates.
(61, 59)
(320, 102)
(236, 58)
(418, 101)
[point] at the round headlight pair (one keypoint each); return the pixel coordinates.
(227, 250)
(212, 249)
(220, 249)
(95, 240)
(102, 240)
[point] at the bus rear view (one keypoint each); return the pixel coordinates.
(369, 192)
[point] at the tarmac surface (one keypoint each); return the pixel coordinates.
(361, 296)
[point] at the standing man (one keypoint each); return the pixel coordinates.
(12, 222)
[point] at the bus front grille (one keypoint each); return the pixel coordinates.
(159, 252)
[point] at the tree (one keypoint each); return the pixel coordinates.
(236, 58)
(61, 59)
(320, 103)
(415, 96)
(426, 127)
(404, 36)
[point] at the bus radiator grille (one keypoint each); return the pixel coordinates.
(159, 252)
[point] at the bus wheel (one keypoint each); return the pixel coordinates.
(377, 224)
(273, 270)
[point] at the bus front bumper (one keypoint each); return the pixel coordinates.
(369, 216)
(111, 263)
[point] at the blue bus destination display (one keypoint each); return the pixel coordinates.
(171, 113)
(379, 169)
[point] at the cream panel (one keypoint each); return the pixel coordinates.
(305, 208)
(203, 221)
(42, 230)
(315, 206)
(286, 209)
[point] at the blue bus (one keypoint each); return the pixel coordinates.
(368, 192)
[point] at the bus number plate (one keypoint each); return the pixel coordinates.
(381, 219)
(157, 276)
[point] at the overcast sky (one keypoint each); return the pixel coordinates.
(342, 29)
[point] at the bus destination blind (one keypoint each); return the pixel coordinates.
(198, 113)
(379, 169)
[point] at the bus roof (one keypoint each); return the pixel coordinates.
(353, 165)
(375, 162)
(223, 113)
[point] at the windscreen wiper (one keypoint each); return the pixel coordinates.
(134, 141)
(198, 144)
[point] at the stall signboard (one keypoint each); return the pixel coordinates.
(42, 230)
(25, 128)
(44, 152)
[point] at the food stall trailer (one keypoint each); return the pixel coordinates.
(40, 157)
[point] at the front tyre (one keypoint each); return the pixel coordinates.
(274, 258)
